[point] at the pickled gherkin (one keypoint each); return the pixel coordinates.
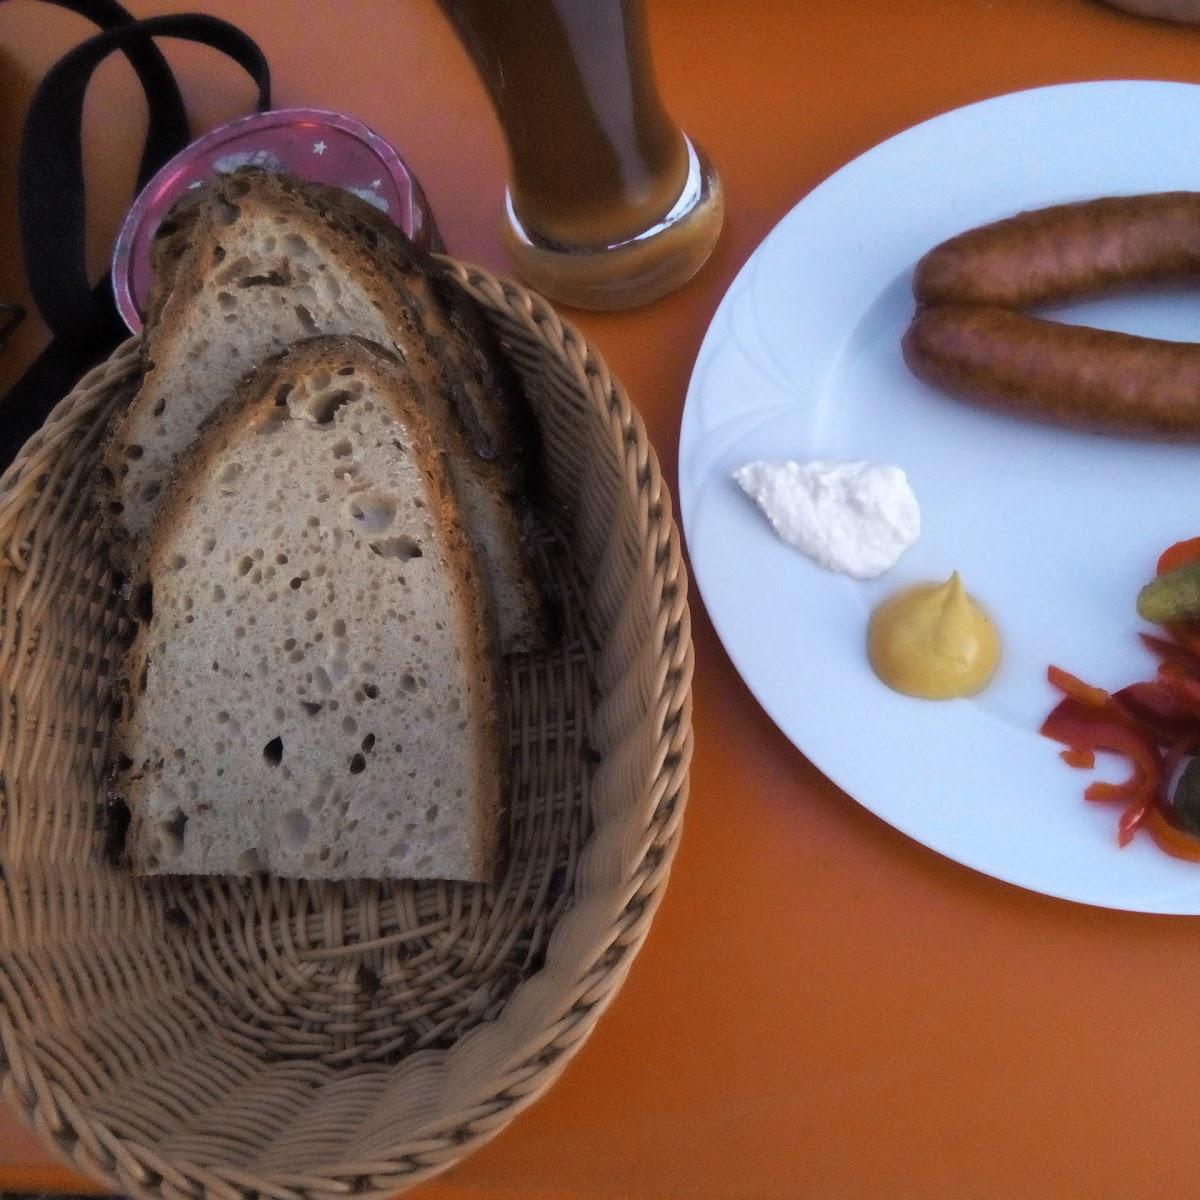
(1172, 597)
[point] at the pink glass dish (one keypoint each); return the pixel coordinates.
(319, 146)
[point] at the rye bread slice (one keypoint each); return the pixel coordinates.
(313, 687)
(259, 261)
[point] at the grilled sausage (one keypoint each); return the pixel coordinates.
(1066, 251)
(1066, 374)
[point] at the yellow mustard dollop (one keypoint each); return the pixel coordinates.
(933, 641)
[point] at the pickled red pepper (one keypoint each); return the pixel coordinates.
(1085, 727)
(1154, 724)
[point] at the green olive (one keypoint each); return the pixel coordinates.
(1174, 596)
(1185, 803)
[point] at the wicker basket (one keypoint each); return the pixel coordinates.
(191, 1038)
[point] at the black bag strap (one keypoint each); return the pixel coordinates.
(167, 127)
(51, 200)
(51, 189)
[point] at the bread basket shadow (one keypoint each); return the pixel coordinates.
(222, 1037)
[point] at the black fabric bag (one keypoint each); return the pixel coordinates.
(83, 317)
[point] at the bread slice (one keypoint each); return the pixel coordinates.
(313, 687)
(259, 261)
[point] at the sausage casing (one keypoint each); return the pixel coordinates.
(1068, 374)
(1066, 251)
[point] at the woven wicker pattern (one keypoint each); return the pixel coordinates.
(222, 1037)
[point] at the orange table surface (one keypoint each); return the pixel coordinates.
(823, 1008)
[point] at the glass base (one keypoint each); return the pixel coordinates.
(637, 270)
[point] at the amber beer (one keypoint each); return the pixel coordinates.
(598, 171)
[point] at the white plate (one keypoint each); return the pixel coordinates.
(1053, 531)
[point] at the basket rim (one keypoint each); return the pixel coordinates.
(527, 1072)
